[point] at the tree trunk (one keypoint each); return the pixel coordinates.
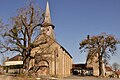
(101, 69)
(24, 59)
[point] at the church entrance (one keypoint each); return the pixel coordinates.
(43, 68)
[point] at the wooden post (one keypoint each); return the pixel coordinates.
(6, 69)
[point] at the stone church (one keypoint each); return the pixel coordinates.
(49, 57)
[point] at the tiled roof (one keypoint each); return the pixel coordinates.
(117, 72)
(15, 58)
(82, 66)
(108, 68)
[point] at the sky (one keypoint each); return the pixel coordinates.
(74, 20)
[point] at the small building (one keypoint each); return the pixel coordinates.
(14, 64)
(117, 73)
(108, 71)
(82, 69)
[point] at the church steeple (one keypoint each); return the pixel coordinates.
(47, 17)
(47, 26)
(47, 14)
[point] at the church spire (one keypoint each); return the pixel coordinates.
(47, 26)
(47, 14)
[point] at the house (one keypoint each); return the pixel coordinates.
(14, 64)
(108, 71)
(81, 69)
(49, 57)
(117, 73)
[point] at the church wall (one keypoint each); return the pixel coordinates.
(51, 66)
(53, 62)
(63, 63)
(67, 64)
(60, 66)
(66, 70)
(58, 62)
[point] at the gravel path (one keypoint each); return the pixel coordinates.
(89, 78)
(6, 77)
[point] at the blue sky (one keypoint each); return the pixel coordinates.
(74, 20)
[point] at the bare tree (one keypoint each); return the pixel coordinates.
(102, 45)
(19, 35)
(115, 66)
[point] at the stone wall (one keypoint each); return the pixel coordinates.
(60, 62)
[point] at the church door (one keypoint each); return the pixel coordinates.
(44, 68)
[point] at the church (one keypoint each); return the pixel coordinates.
(49, 57)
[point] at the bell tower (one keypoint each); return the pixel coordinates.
(47, 26)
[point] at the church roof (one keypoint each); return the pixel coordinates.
(81, 66)
(47, 24)
(65, 50)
